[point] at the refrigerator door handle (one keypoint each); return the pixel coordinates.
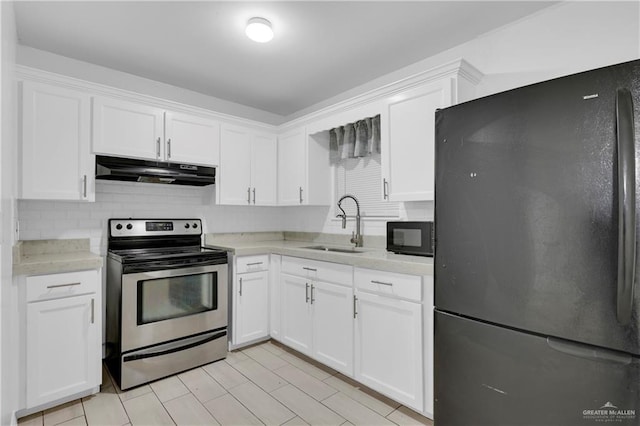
(589, 352)
(626, 205)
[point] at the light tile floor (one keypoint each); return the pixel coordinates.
(263, 384)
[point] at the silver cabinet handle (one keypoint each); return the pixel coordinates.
(355, 308)
(249, 195)
(309, 269)
(306, 292)
(158, 148)
(168, 148)
(254, 195)
(381, 283)
(312, 299)
(300, 195)
(84, 185)
(62, 285)
(240, 292)
(385, 189)
(254, 263)
(93, 310)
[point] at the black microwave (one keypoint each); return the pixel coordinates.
(416, 238)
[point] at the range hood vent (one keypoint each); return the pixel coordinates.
(131, 170)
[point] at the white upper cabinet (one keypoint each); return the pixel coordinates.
(408, 154)
(303, 169)
(263, 170)
(191, 139)
(248, 167)
(128, 129)
(408, 131)
(55, 158)
(291, 168)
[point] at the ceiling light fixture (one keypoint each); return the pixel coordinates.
(259, 29)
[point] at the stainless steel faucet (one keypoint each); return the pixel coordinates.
(356, 237)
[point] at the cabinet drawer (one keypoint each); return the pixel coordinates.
(252, 263)
(318, 271)
(54, 286)
(399, 285)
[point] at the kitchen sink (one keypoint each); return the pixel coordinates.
(352, 250)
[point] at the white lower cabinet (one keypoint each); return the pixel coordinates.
(250, 299)
(388, 347)
(317, 320)
(63, 336)
(253, 311)
(317, 316)
(296, 313)
(374, 326)
(275, 262)
(332, 329)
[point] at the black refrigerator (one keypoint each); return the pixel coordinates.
(536, 264)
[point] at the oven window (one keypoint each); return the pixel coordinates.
(165, 298)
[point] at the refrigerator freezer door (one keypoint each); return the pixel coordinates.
(489, 375)
(527, 208)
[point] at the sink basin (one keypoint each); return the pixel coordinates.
(352, 250)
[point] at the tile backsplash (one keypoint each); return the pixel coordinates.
(75, 219)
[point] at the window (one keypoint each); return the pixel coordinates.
(361, 177)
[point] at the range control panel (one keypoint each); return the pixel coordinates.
(154, 227)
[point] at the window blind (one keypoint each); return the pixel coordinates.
(361, 177)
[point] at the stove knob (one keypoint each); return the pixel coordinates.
(129, 226)
(119, 226)
(195, 225)
(186, 225)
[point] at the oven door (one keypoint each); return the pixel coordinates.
(160, 306)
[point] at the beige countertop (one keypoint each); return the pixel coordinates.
(368, 257)
(37, 257)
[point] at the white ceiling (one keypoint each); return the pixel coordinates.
(320, 48)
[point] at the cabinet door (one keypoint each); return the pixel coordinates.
(127, 129)
(190, 139)
(333, 326)
(292, 168)
(295, 326)
(389, 347)
(234, 180)
(408, 152)
(63, 348)
(56, 163)
(275, 266)
(252, 306)
(264, 170)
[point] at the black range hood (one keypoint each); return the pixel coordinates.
(128, 169)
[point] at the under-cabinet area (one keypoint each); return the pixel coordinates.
(371, 325)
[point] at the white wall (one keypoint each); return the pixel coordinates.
(75, 219)
(8, 141)
(559, 40)
(95, 73)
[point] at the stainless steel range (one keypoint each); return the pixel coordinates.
(166, 299)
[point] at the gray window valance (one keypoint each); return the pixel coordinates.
(359, 139)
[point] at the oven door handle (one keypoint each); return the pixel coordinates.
(193, 344)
